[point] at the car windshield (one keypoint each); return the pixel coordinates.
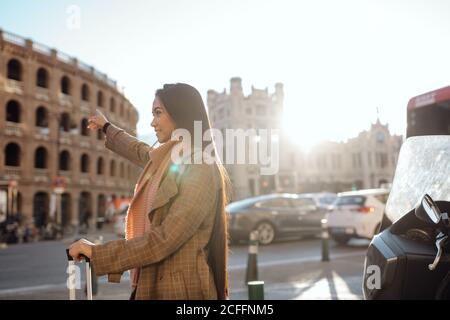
(423, 167)
(327, 200)
(350, 200)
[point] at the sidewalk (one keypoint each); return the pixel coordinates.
(313, 280)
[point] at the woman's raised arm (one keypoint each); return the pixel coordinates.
(121, 142)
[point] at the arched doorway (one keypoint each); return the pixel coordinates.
(40, 209)
(101, 205)
(85, 208)
(66, 209)
(101, 211)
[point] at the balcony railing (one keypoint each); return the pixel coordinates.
(67, 175)
(100, 181)
(60, 56)
(65, 138)
(65, 100)
(14, 86)
(13, 129)
(42, 94)
(85, 142)
(84, 107)
(42, 133)
(85, 179)
(12, 172)
(13, 38)
(41, 175)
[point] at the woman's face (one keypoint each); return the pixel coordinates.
(162, 121)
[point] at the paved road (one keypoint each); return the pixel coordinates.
(290, 269)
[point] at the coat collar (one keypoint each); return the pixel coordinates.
(168, 187)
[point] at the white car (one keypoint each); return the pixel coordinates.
(357, 214)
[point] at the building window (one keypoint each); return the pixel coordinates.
(14, 70)
(64, 123)
(13, 111)
(100, 166)
(12, 155)
(65, 85)
(41, 117)
(40, 208)
(84, 163)
(84, 128)
(122, 170)
(64, 161)
(42, 78)
(40, 158)
(121, 110)
(85, 92)
(112, 105)
(100, 99)
(112, 168)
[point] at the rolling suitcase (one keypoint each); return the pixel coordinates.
(72, 271)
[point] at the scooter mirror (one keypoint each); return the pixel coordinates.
(427, 210)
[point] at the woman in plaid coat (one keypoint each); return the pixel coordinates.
(177, 243)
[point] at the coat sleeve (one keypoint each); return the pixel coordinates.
(127, 146)
(195, 200)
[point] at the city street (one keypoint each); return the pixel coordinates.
(290, 270)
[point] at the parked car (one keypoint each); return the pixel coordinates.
(275, 216)
(357, 214)
(322, 199)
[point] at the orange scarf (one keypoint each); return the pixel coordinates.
(137, 222)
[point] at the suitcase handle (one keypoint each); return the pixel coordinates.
(69, 257)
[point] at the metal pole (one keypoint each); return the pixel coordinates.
(325, 241)
(252, 262)
(256, 290)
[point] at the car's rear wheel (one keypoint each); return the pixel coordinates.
(266, 232)
(341, 239)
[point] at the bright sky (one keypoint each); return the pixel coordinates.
(339, 60)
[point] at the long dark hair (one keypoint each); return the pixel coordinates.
(185, 105)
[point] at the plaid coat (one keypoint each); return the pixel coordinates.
(172, 255)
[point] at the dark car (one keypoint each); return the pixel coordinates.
(277, 215)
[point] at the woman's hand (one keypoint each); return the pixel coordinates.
(97, 121)
(80, 247)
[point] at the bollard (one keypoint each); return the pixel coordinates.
(325, 240)
(252, 262)
(255, 290)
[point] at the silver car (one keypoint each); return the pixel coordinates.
(278, 215)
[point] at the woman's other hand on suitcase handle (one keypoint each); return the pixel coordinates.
(79, 248)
